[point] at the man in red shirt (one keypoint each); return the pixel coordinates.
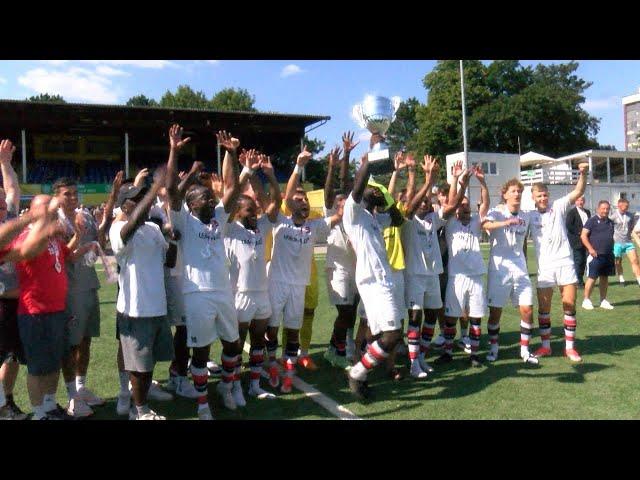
(39, 255)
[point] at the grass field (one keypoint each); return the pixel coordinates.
(604, 386)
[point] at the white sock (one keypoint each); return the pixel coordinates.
(124, 382)
(203, 406)
(524, 350)
(142, 409)
(49, 402)
(80, 381)
(638, 280)
(3, 399)
(38, 411)
(71, 389)
(621, 278)
(358, 372)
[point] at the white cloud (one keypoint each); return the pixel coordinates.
(156, 64)
(602, 103)
(291, 69)
(110, 72)
(74, 84)
(3, 81)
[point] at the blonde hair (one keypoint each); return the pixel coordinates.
(514, 182)
(539, 187)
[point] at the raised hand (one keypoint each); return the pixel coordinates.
(175, 137)
(197, 167)
(6, 151)
(410, 161)
(399, 161)
(266, 166)
(216, 185)
(227, 141)
(142, 174)
(430, 164)
(252, 159)
(304, 157)
(583, 168)
(334, 156)
(117, 182)
(477, 171)
(347, 142)
(181, 175)
(456, 169)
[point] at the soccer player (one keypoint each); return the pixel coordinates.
(141, 310)
(340, 261)
(373, 273)
(555, 263)
(209, 304)
(289, 272)
(508, 277)
(245, 244)
(465, 294)
(623, 222)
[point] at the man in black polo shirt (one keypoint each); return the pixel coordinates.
(597, 237)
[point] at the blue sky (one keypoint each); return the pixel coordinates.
(324, 87)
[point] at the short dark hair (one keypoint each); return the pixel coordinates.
(603, 201)
(623, 200)
(63, 182)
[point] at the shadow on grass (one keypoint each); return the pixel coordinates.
(625, 302)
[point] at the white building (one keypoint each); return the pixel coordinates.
(612, 175)
(631, 107)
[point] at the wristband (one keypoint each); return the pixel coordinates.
(298, 169)
(248, 171)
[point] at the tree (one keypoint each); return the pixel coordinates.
(239, 100)
(316, 169)
(184, 97)
(401, 133)
(141, 101)
(506, 104)
(46, 98)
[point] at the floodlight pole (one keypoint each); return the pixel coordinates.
(464, 118)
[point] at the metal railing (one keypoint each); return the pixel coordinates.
(548, 176)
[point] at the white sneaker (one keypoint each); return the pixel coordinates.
(214, 369)
(492, 356)
(438, 342)
(530, 358)
(156, 393)
(238, 397)
(185, 388)
(586, 304)
(151, 415)
(226, 396)
(205, 414)
(465, 344)
(78, 408)
(416, 371)
(260, 394)
(606, 305)
(124, 403)
(424, 365)
(90, 398)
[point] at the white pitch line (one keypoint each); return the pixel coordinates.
(320, 398)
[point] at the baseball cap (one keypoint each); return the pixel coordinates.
(129, 192)
(387, 196)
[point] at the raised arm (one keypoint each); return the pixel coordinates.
(190, 178)
(347, 145)
(294, 179)
(9, 177)
(411, 176)
(107, 215)
(139, 214)
(329, 192)
(456, 192)
(485, 201)
(229, 170)
(398, 164)
(274, 190)
(12, 228)
(360, 180)
(430, 168)
(175, 144)
(582, 183)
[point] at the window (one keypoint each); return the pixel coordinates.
(617, 170)
(490, 168)
(599, 170)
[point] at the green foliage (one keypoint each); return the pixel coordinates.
(46, 98)
(239, 100)
(184, 97)
(141, 101)
(402, 131)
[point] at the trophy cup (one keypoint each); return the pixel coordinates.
(376, 115)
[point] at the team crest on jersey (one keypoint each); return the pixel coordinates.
(214, 223)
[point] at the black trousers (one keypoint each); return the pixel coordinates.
(580, 263)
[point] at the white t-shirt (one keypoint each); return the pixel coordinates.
(293, 249)
(141, 279)
(202, 249)
(340, 253)
(463, 243)
(549, 235)
(506, 243)
(157, 211)
(245, 251)
(365, 233)
(421, 247)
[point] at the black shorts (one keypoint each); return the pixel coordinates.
(601, 266)
(44, 338)
(10, 344)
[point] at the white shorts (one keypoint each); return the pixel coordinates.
(175, 300)
(362, 313)
(382, 310)
(210, 315)
(399, 288)
(287, 304)
(465, 293)
(252, 306)
(341, 286)
(558, 276)
(423, 291)
(504, 285)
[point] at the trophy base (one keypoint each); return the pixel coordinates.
(378, 155)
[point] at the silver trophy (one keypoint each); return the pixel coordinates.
(376, 114)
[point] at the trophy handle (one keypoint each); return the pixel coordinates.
(357, 115)
(395, 102)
